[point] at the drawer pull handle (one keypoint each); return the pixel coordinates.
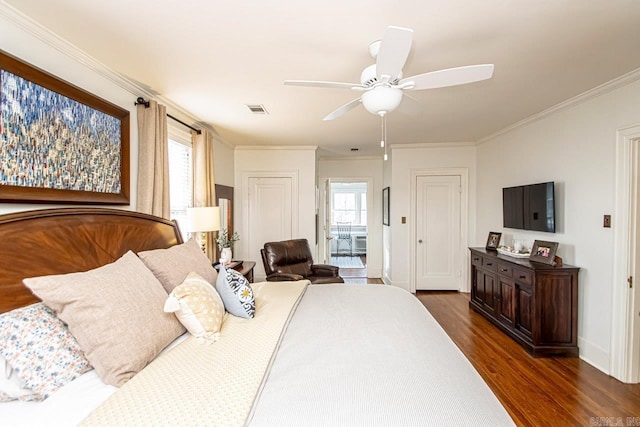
(523, 277)
(489, 264)
(476, 259)
(504, 270)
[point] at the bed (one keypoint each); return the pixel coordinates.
(321, 355)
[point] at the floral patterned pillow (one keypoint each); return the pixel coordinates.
(40, 354)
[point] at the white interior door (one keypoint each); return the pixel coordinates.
(438, 248)
(270, 213)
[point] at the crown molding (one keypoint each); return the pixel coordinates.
(348, 158)
(275, 147)
(433, 145)
(56, 42)
(606, 87)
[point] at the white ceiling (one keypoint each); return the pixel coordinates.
(213, 57)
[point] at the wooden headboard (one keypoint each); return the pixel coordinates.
(56, 241)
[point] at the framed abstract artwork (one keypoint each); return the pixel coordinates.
(59, 143)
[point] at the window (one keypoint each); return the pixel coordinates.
(349, 203)
(180, 176)
(344, 208)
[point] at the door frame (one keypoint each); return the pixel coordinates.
(324, 245)
(464, 221)
(624, 362)
(370, 208)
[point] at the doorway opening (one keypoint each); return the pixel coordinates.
(348, 228)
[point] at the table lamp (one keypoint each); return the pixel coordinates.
(202, 220)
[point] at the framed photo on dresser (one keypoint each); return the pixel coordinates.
(493, 240)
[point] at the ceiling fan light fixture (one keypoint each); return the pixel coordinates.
(382, 99)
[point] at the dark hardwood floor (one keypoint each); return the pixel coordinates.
(535, 391)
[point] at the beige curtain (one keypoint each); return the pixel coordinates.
(153, 160)
(204, 190)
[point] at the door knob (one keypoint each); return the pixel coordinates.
(420, 241)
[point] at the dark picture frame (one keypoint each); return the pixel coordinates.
(493, 240)
(59, 143)
(544, 252)
(385, 206)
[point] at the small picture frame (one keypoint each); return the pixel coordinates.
(493, 240)
(544, 252)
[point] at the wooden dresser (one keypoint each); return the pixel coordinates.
(533, 303)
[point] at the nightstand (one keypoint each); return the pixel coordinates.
(243, 267)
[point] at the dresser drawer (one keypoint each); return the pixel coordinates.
(476, 260)
(523, 276)
(505, 269)
(489, 263)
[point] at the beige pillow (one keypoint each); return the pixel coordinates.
(198, 307)
(171, 266)
(115, 312)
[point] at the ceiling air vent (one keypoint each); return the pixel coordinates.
(257, 108)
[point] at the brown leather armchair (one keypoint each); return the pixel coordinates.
(291, 260)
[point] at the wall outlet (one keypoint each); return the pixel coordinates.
(607, 221)
(404, 219)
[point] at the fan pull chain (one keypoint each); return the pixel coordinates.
(384, 133)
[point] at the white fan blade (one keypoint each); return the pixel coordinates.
(311, 83)
(410, 105)
(393, 52)
(449, 77)
(346, 107)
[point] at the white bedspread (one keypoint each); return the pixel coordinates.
(365, 355)
(371, 355)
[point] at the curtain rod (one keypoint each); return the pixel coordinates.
(141, 101)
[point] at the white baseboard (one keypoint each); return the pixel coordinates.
(594, 355)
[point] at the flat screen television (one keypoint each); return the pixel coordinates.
(529, 207)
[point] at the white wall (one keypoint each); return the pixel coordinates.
(575, 147)
(387, 169)
(302, 161)
(349, 169)
(405, 160)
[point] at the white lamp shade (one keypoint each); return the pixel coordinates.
(203, 219)
(382, 99)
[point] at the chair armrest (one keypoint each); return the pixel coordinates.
(283, 277)
(325, 270)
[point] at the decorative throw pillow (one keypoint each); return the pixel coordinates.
(198, 307)
(171, 266)
(115, 313)
(236, 293)
(38, 354)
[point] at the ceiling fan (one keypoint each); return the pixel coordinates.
(382, 83)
